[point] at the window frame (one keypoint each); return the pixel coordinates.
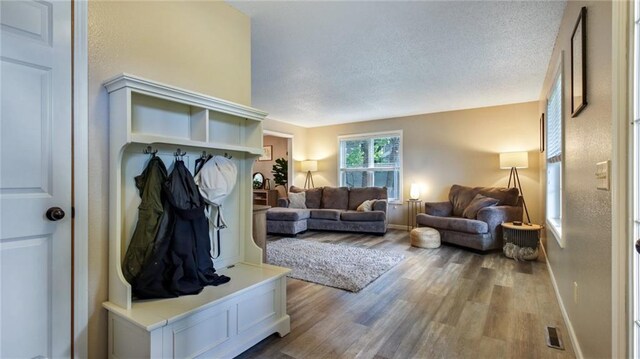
(552, 223)
(368, 136)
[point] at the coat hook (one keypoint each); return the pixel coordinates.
(204, 155)
(227, 156)
(150, 151)
(179, 153)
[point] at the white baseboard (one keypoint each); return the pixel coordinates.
(398, 226)
(572, 334)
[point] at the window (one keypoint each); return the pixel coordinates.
(554, 158)
(372, 160)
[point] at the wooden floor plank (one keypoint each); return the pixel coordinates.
(368, 344)
(483, 285)
(438, 303)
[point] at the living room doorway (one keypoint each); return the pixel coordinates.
(275, 167)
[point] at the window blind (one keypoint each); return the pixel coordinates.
(554, 122)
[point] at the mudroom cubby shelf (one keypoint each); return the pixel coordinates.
(221, 321)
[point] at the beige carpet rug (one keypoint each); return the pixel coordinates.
(339, 266)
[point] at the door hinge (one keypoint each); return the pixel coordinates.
(73, 212)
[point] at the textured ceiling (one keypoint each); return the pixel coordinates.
(322, 63)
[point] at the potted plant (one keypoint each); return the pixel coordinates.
(281, 171)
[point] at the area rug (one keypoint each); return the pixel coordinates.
(339, 266)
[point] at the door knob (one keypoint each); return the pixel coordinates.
(55, 214)
(638, 246)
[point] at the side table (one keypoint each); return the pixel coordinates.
(413, 208)
(523, 236)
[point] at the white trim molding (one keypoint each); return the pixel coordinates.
(621, 185)
(277, 134)
(80, 178)
(572, 334)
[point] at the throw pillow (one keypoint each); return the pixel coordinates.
(366, 206)
(477, 203)
(297, 200)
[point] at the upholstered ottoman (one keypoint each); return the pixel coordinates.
(425, 237)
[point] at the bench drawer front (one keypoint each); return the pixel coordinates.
(254, 309)
(199, 333)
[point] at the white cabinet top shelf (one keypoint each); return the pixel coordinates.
(152, 112)
(170, 93)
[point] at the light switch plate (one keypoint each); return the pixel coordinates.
(602, 175)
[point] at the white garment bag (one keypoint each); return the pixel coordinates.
(215, 181)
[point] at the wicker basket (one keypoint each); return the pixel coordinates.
(521, 238)
(521, 241)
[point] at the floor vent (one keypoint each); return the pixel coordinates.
(553, 338)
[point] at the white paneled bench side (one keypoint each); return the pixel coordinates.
(221, 321)
(215, 323)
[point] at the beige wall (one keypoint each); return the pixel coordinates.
(279, 150)
(586, 258)
(200, 46)
(446, 148)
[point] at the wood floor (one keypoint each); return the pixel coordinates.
(437, 303)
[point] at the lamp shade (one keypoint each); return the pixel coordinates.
(514, 159)
(309, 165)
(414, 192)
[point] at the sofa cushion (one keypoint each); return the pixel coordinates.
(506, 196)
(335, 198)
(314, 195)
(297, 200)
(359, 195)
(479, 202)
(355, 216)
(332, 214)
(380, 205)
(287, 214)
(461, 196)
(366, 206)
(440, 209)
(453, 223)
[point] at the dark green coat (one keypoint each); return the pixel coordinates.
(150, 214)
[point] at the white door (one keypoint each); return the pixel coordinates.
(635, 294)
(35, 175)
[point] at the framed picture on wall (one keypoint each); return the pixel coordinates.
(579, 65)
(267, 153)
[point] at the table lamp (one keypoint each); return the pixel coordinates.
(513, 161)
(414, 192)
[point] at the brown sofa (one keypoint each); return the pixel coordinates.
(484, 232)
(333, 209)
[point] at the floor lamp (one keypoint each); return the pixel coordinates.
(309, 166)
(513, 161)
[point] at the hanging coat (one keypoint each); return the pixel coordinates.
(150, 212)
(191, 245)
(216, 180)
(182, 260)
